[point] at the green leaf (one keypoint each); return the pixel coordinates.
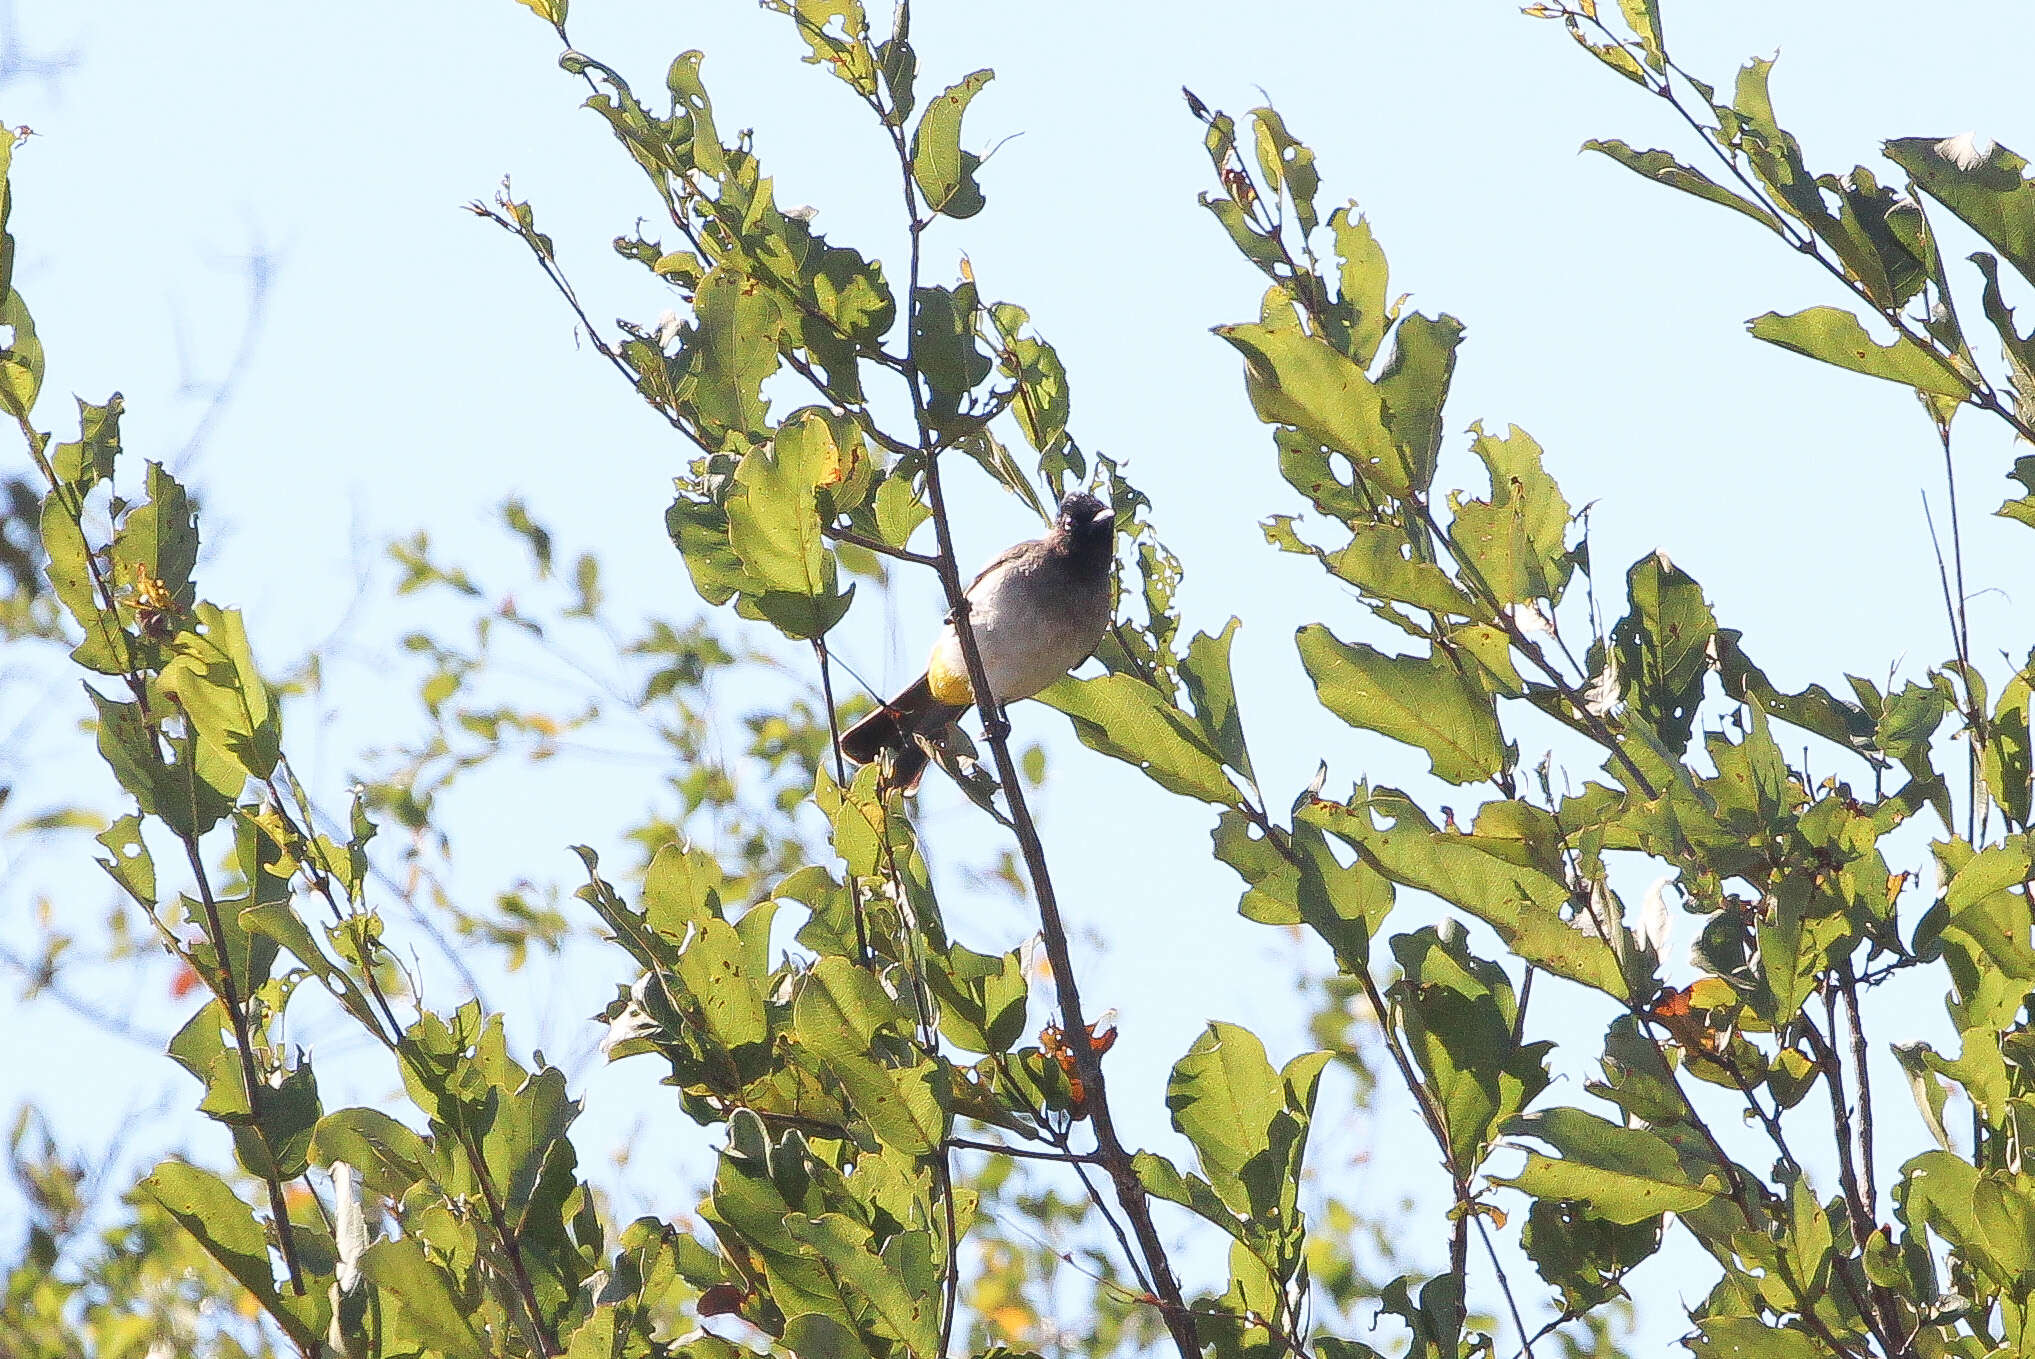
(1414, 386)
(1122, 716)
(1644, 16)
(819, 1335)
(390, 1157)
(944, 348)
(1344, 906)
(844, 51)
(1927, 1088)
(1286, 163)
(1836, 337)
(1988, 189)
(131, 865)
(1248, 1124)
(712, 968)
(1991, 871)
(1223, 1096)
(1424, 701)
(699, 530)
(837, 1013)
(426, 1308)
(89, 460)
(1041, 407)
(227, 1229)
(1623, 1175)
(69, 570)
(2007, 761)
(1361, 283)
(982, 998)
(1585, 1256)
(899, 511)
(1752, 1338)
(1301, 380)
(214, 683)
(1505, 874)
(21, 362)
(944, 172)
(1663, 646)
(735, 351)
(160, 535)
(848, 1248)
(774, 527)
(550, 11)
(1517, 540)
(1206, 672)
(1381, 562)
(189, 796)
(1460, 1020)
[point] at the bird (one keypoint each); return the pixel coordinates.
(1037, 611)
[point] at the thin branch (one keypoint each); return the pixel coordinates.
(1116, 1229)
(841, 535)
(1972, 719)
(1505, 1285)
(1023, 1153)
(841, 781)
(1859, 1051)
(943, 1170)
(1883, 1316)
(243, 1043)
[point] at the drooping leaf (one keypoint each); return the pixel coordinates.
(1836, 337)
(210, 1211)
(1123, 716)
(1623, 1175)
(1663, 168)
(1205, 671)
(944, 172)
(1424, 701)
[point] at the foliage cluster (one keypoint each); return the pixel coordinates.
(873, 1086)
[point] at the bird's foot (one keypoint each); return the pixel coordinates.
(996, 725)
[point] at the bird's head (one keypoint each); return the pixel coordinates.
(1085, 517)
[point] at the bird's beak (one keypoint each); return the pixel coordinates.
(1108, 516)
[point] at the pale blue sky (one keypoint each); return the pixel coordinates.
(413, 370)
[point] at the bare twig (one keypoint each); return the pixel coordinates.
(841, 535)
(1505, 1285)
(841, 781)
(1024, 1153)
(1859, 1050)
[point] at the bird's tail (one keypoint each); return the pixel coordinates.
(894, 727)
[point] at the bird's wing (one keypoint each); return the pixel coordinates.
(1002, 560)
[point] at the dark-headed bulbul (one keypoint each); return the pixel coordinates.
(1037, 611)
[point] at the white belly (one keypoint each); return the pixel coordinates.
(1019, 660)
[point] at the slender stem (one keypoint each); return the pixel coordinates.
(1859, 1052)
(1116, 1229)
(1962, 621)
(1505, 1285)
(243, 1043)
(1960, 624)
(841, 781)
(1025, 1153)
(841, 535)
(943, 1171)
(1883, 1316)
